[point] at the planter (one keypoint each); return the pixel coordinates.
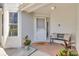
(27, 47)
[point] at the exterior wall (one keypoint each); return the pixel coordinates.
(27, 25)
(77, 31)
(66, 17)
(11, 42)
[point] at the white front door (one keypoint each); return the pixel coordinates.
(40, 29)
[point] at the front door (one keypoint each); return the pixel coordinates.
(40, 29)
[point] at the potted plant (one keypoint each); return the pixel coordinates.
(27, 42)
(65, 52)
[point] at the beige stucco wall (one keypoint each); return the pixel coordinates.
(77, 29)
(27, 25)
(63, 14)
(66, 17)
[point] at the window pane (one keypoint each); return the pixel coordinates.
(13, 17)
(13, 30)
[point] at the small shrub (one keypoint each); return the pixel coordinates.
(27, 42)
(67, 52)
(72, 53)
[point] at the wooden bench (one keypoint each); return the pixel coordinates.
(60, 36)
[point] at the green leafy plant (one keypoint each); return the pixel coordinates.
(72, 53)
(27, 41)
(67, 52)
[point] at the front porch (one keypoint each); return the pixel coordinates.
(41, 49)
(39, 21)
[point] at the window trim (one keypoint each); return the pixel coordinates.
(13, 24)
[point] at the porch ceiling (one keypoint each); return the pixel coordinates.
(31, 7)
(42, 7)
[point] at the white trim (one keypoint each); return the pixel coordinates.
(1, 9)
(27, 6)
(35, 7)
(31, 7)
(41, 15)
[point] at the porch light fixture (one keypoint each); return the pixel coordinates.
(52, 8)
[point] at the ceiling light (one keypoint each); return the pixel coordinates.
(52, 8)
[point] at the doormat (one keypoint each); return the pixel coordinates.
(41, 43)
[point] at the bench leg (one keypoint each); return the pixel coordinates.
(51, 41)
